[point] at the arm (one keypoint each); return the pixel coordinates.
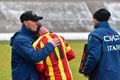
(69, 52)
(24, 48)
(94, 47)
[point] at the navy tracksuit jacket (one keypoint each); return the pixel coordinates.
(107, 40)
(24, 56)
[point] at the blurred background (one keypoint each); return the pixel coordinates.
(72, 19)
(59, 15)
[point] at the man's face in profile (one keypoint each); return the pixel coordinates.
(32, 25)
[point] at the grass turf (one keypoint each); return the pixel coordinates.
(5, 59)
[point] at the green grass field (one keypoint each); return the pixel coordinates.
(5, 59)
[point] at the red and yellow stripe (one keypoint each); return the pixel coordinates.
(56, 64)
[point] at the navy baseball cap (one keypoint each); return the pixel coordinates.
(30, 15)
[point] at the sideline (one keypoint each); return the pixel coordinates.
(67, 36)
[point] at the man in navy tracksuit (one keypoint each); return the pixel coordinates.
(104, 48)
(24, 56)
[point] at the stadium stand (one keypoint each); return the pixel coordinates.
(59, 15)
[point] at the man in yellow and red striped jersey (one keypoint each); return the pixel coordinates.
(55, 66)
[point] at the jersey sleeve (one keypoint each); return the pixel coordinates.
(39, 45)
(39, 66)
(69, 52)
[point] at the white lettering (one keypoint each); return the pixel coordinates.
(113, 48)
(111, 38)
(109, 48)
(106, 38)
(118, 47)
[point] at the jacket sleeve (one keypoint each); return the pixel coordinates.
(25, 49)
(94, 47)
(69, 52)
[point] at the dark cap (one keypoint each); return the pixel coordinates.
(102, 15)
(30, 15)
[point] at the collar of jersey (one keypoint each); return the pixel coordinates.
(43, 33)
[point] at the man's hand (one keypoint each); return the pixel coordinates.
(43, 30)
(55, 42)
(86, 76)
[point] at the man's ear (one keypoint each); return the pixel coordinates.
(25, 23)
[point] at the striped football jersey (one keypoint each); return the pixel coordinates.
(55, 66)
